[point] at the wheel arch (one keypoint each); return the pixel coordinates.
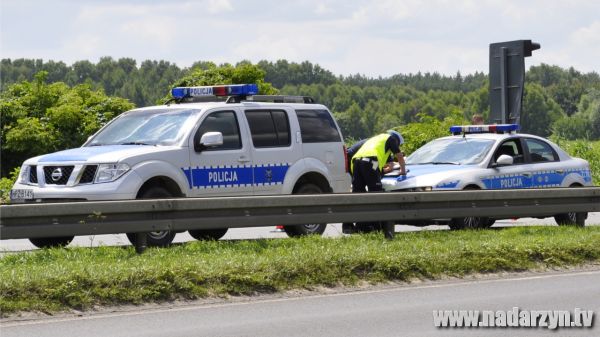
(313, 178)
(161, 181)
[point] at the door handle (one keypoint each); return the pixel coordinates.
(560, 171)
(527, 174)
(243, 159)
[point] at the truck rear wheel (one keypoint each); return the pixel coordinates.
(208, 234)
(61, 241)
(307, 229)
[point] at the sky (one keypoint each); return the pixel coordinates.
(372, 38)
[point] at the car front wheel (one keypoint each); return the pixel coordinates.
(471, 222)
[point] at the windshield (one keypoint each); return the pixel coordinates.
(451, 151)
(145, 127)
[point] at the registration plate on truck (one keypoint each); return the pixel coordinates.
(20, 195)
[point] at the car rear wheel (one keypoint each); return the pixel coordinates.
(207, 234)
(156, 238)
(571, 219)
(61, 241)
(471, 222)
(307, 229)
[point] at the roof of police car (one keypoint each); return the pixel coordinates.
(220, 104)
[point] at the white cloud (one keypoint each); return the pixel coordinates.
(219, 6)
(345, 36)
(587, 36)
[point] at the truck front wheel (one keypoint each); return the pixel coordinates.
(156, 238)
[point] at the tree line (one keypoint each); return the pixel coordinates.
(47, 106)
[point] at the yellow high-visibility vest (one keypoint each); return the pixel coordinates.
(374, 147)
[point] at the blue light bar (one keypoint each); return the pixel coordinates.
(218, 90)
(496, 128)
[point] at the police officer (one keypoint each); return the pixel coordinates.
(370, 162)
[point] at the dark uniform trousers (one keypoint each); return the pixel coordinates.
(366, 174)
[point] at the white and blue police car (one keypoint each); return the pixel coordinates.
(491, 157)
(213, 141)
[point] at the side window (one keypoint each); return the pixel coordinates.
(511, 148)
(317, 126)
(224, 122)
(269, 128)
(540, 151)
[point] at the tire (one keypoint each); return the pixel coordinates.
(471, 222)
(157, 238)
(61, 241)
(208, 234)
(571, 219)
(307, 229)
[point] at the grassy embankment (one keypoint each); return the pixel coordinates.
(79, 278)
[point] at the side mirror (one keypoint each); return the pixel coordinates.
(504, 160)
(209, 139)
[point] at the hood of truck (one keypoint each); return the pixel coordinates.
(100, 154)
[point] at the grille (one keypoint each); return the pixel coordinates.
(89, 172)
(33, 174)
(57, 180)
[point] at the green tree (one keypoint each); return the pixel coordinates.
(39, 118)
(242, 73)
(539, 111)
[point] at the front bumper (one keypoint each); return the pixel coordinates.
(124, 188)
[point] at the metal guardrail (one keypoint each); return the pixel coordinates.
(137, 216)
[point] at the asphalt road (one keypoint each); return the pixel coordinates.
(389, 311)
(333, 230)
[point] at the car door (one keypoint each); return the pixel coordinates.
(517, 175)
(225, 169)
(272, 148)
(546, 168)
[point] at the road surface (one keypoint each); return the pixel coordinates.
(388, 311)
(333, 230)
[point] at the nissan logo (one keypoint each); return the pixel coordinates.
(56, 174)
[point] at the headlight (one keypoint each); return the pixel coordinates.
(110, 172)
(24, 174)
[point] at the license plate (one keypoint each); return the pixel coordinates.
(21, 195)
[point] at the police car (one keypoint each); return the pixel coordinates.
(211, 141)
(491, 157)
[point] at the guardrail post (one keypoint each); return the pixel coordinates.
(140, 242)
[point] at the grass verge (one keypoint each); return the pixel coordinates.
(79, 278)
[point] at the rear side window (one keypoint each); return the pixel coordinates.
(540, 151)
(269, 128)
(317, 126)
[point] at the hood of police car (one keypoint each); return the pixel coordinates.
(436, 176)
(100, 154)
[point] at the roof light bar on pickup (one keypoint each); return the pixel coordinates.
(218, 90)
(497, 128)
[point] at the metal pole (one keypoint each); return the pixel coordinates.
(503, 84)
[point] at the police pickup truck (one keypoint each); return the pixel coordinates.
(211, 141)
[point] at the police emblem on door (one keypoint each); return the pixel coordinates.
(268, 175)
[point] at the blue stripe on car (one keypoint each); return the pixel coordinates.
(232, 176)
